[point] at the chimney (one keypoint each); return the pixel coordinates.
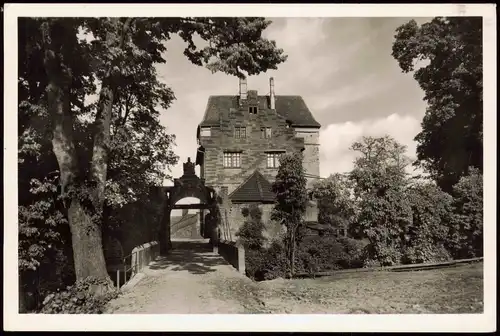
(243, 89)
(272, 98)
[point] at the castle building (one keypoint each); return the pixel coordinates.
(241, 138)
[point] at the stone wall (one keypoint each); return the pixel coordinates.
(311, 152)
(140, 221)
(185, 226)
(236, 219)
(233, 253)
(142, 255)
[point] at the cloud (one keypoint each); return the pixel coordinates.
(335, 140)
(342, 67)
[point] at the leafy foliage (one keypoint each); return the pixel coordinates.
(251, 232)
(335, 204)
(466, 237)
(397, 219)
(98, 158)
(452, 136)
(426, 237)
(267, 264)
(385, 211)
(315, 254)
(80, 298)
(291, 199)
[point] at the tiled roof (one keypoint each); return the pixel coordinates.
(292, 108)
(255, 189)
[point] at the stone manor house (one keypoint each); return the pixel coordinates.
(240, 140)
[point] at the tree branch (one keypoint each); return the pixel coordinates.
(99, 162)
(59, 108)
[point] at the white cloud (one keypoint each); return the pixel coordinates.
(335, 139)
(342, 68)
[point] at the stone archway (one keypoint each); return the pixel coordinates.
(188, 185)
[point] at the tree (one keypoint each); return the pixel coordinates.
(251, 232)
(467, 223)
(291, 200)
(335, 204)
(428, 235)
(451, 139)
(60, 70)
(380, 180)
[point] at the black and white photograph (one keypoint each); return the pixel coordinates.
(286, 163)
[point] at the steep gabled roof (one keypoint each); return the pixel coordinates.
(292, 108)
(256, 188)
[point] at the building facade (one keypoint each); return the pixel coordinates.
(240, 140)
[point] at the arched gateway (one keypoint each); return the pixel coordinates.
(189, 185)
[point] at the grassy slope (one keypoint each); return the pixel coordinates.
(449, 290)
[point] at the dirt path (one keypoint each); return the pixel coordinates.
(191, 279)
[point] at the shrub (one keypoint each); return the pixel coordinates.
(424, 238)
(245, 212)
(466, 234)
(251, 232)
(254, 264)
(81, 298)
(423, 253)
(356, 252)
(321, 254)
(315, 254)
(266, 264)
(328, 253)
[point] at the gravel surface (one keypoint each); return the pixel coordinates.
(187, 281)
(192, 279)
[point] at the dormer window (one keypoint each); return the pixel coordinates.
(205, 132)
(253, 109)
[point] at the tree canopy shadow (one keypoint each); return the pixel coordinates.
(194, 257)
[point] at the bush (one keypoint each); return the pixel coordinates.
(466, 234)
(81, 298)
(319, 254)
(251, 232)
(314, 254)
(266, 264)
(424, 238)
(425, 254)
(245, 212)
(355, 252)
(255, 264)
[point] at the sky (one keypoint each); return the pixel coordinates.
(343, 69)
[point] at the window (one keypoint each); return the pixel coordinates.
(240, 132)
(266, 132)
(252, 109)
(205, 132)
(232, 160)
(273, 160)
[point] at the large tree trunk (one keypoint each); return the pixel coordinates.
(86, 235)
(87, 243)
